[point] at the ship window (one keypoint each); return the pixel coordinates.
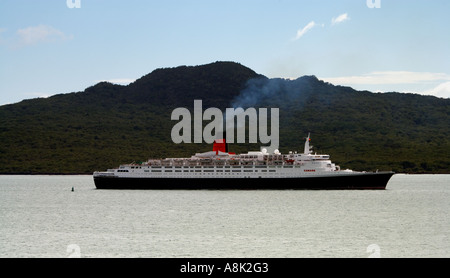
(272, 171)
(208, 170)
(248, 171)
(170, 171)
(156, 171)
(146, 171)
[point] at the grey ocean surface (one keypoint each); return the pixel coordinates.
(41, 217)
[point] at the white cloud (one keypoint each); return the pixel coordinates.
(389, 77)
(312, 24)
(41, 33)
(120, 81)
(305, 29)
(393, 79)
(36, 95)
(339, 19)
(442, 90)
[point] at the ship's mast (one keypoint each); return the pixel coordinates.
(307, 149)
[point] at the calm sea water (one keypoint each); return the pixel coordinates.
(41, 217)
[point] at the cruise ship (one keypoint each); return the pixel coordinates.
(221, 169)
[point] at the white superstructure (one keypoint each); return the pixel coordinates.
(221, 164)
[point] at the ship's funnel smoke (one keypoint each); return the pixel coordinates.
(261, 95)
(260, 92)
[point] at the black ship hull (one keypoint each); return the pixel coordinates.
(375, 180)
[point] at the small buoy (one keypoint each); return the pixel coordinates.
(72, 189)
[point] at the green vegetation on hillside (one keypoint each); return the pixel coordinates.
(107, 125)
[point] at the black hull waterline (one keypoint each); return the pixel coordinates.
(376, 180)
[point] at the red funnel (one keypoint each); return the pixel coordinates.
(221, 145)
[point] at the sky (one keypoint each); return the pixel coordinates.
(62, 46)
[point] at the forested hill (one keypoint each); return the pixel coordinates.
(106, 124)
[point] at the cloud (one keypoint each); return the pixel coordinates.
(442, 90)
(312, 24)
(38, 34)
(36, 95)
(389, 77)
(305, 29)
(339, 19)
(121, 81)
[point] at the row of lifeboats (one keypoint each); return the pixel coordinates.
(220, 161)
